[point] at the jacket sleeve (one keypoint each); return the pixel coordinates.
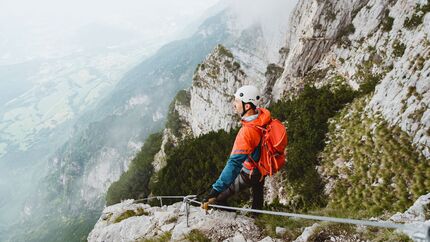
(230, 172)
(243, 146)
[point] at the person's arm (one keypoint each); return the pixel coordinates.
(243, 146)
(230, 172)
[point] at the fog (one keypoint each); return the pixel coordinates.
(52, 28)
(48, 28)
(45, 45)
(273, 15)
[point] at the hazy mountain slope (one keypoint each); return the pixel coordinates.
(95, 156)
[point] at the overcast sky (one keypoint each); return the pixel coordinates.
(84, 11)
(40, 28)
(33, 28)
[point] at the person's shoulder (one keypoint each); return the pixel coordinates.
(249, 131)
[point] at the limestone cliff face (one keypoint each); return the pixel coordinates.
(207, 105)
(403, 96)
(214, 84)
(177, 128)
(350, 41)
(315, 27)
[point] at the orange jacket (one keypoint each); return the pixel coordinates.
(246, 143)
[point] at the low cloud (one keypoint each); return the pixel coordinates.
(271, 14)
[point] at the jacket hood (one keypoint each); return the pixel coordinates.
(263, 118)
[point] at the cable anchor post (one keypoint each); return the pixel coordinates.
(186, 203)
(427, 233)
(418, 231)
(161, 201)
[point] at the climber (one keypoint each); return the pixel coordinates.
(239, 172)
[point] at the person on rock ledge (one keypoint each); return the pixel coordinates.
(240, 171)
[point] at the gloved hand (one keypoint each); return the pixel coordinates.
(209, 199)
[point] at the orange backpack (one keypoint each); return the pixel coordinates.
(274, 140)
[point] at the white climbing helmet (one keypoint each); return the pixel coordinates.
(248, 94)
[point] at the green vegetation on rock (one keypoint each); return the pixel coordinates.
(194, 164)
(268, 224)
(398, 48)
(417, 17)
(224, 51)
(161, 238)
(274, 70)
(131, 213)
(173, 122)
(196, 236)
(366, 77)
(373, 166)
(387, 22)
(307, 117)
(183, 97)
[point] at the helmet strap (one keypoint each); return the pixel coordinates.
(244, 111)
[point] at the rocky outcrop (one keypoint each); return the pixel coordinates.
(177, 127)
(214, 84)
(417, 217)
(129, 221)
(205, 106)
(419, 212)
